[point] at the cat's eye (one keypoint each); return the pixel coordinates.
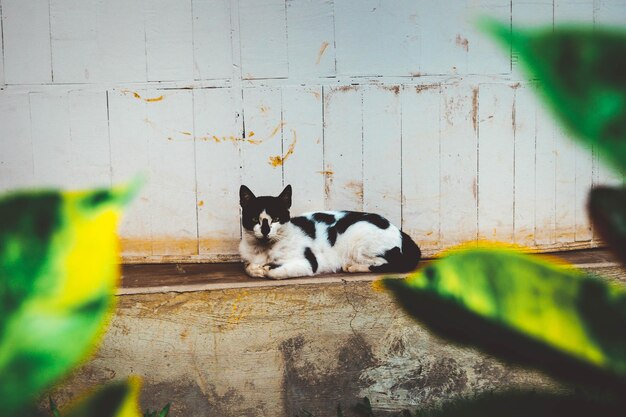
(255, 220)
(275, 219)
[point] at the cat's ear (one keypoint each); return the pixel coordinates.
(245, 196)
(285, 196)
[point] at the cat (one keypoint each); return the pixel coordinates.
(277, 246)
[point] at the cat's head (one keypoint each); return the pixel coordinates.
(263, 216)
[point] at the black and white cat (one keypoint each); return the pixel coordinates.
(278, 246)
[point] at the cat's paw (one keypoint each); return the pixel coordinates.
(275, 273)
(355, 268)
(256, 270)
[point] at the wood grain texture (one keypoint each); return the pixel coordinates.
(421, 141)
(343, 148)
(263, 56)
(377, 25)
(169, 44)
(218, 176)
(525, 136)
(16, 147)
(382, 152)
(458, 159)
(311, 38)
(496, 162)
(262, 151)
(95, 41)
(212, 49)
(26, 37)
(303, 147)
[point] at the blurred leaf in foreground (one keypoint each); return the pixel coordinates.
(118, 399)
(58, 270)
(524, 309)
(582, 71)
(607, 208)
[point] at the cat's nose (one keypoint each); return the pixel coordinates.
(265, 227)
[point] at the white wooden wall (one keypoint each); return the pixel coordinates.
(396, 106)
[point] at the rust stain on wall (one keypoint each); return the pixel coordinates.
(159, 246)
(356, 187)
(462, 42)
(200, 203)
(277, 129)
(475, 108)
(425, 87)
(513, 118)
(138, 96)
(394, 88)
(474, 188)
(278, 160)
(321, 52)
(328, 181)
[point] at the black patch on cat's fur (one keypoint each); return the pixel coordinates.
(353, 217)
(307, 226)
(273, 265)
(252, 207)
(310, 256)
(331, 235)
(404, 260)
(324, 218)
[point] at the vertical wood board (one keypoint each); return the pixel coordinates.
(421, 191)
(26, 37)
(343, 148)
(212, 48)
(382, 152)
(496, 163)
(303, 147)
(218, 170)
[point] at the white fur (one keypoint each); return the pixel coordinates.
(354, 251)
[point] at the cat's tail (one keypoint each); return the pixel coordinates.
(404, 260)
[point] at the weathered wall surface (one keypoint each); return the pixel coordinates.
(399, 107)
(277, 351)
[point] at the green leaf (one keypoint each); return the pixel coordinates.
(58, 271)
(53, 408)
(607, 208)
(582, 74)
(165, 411)
(118, 399)
(525, 404)
(524, 309)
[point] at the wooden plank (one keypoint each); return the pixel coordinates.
(382, 152)
(52, 156)
(610, 12)
(95, 41)
(573, 11)
(212, 52)
(16, 149)
(89, 133)
(421, 164)
(343, 152)
(311, 38)
(130, 157)
(172, 172)
(261, 158)
(451, 43)
(458, 159)
(216, 121)
(2, 82)
(169, 40)
(565, 186)
(525, 130)
(525, 14)
(545, 177)
(26, 36)
(496, 147)
(378, 25)
(263, 56)
(304, 168)
(583, 157)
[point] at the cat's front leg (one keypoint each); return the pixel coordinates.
(255, 270)
(288, 270)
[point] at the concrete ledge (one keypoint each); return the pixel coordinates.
(276, 348)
